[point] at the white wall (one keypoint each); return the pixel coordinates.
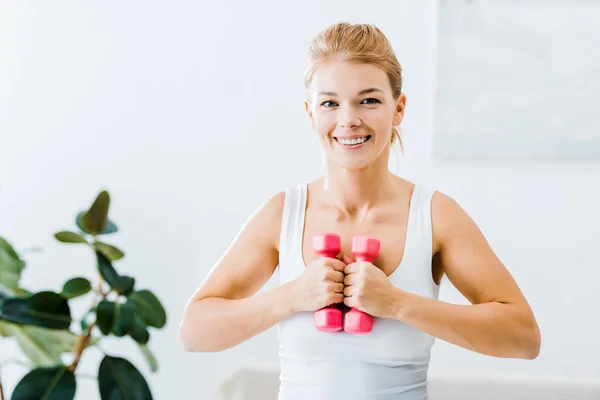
(190, 114)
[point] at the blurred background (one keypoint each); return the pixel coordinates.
(190, 114)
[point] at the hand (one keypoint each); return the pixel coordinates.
(368, 289)
(320, 285)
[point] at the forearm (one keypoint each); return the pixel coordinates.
(216, 324)
(494, 329)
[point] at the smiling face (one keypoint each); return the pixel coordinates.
(352, 109)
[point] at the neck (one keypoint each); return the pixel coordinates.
(355, 191)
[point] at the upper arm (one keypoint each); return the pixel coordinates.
(467, 259)
(250, 259)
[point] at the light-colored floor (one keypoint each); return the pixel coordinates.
(262, 383)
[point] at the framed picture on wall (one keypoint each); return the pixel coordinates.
(518, 79)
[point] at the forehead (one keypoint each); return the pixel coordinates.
(347, 79)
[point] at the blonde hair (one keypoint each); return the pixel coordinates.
(357, 43)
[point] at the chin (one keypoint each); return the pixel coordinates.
(351, 163)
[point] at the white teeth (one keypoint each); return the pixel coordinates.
(349, 142)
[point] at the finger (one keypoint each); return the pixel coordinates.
(349, 301)
(348, 291)
(335, 276)
(351, 279)
(351, 268)
(338, 288)
(335, 287)
(335, 298)
(336, 264)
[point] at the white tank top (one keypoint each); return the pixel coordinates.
(391, 361)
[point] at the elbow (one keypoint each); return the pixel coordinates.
(186, 338)
(533, 348)
(522, 337)
(190, 336)
(196, 337)
(197, 345)
(192, 340)
(530, 342)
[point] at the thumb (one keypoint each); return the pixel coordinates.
(347, 259)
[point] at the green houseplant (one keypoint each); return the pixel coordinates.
(54, 341)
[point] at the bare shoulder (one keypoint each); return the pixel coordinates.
(263, 227)
(449, 219)
(456, 235)
(266, 221)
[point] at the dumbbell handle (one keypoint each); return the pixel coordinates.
(357, 321)
(327, 319)
(365, 321)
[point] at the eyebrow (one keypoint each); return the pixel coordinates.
(362, 92)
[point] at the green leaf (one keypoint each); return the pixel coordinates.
(139, 332)
(46, 383)
(105, 316)
(46, 309)
(109, 251)
(5, 293)
(69, 237)
(14, 292)
(4, 329)
(86, 320)
(121, 284)
(116, 318)
(125, 318)
(11, 265)
(107, 271)
(95, 220)
(126, 285)
(39, 356)
(6, 246)
(149, 308)
(76, 287)
(41, 345)
(118, 379)
(20, 292)
(149, 356)
(111, 227)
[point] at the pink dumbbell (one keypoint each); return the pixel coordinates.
(364, 248)
(328, 319)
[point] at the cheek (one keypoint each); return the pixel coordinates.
(324, 122)
(380, 119)
(383, 114)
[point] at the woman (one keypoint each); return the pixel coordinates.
(355, 104)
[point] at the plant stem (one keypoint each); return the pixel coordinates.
(84, 337)
(80, 345)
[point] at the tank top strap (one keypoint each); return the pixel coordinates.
(292, 230)
(420, 229)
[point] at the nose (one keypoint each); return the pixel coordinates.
(349, 118)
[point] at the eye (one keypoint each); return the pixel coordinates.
(371, 100)
(327, 103)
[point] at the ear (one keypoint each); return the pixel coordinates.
(309, 113)
(399, 111)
